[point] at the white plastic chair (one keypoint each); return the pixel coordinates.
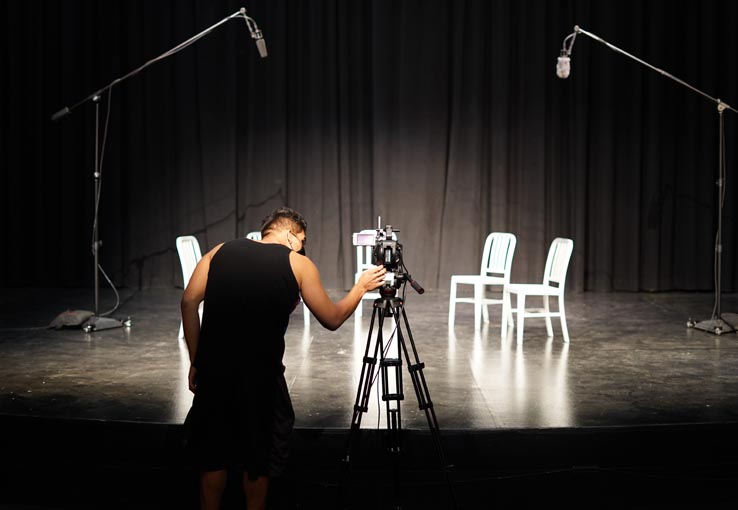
(255, 235)
(554, 281)
(497, 257)
(188, 249)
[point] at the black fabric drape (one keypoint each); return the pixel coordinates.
(444, 117)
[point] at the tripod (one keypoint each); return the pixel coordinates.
(390, 306)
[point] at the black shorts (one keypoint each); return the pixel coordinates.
(228, 427)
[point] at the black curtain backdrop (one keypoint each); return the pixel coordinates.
(444, 117)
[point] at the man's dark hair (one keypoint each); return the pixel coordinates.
(283, 217)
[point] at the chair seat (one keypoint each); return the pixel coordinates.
(537, 312)
(473, 279)
(488, 301)
(533, 289)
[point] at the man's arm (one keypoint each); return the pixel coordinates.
(331, 315)
(190, 304)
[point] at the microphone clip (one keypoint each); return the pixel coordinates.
(566, 50)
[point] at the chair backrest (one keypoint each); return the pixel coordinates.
(364, 253)
(254, 236)
(497, 256)
(557, 262)
(189, 255)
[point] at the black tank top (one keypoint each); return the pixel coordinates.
(250, 293)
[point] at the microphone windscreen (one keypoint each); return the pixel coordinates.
(261, 45)
(563, 66)
(61, 113)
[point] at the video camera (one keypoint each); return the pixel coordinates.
(387, 251)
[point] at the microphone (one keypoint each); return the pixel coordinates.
(261, 44)
(563, 64)
(256, 34)
(61, 113)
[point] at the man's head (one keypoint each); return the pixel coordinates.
(284, 219)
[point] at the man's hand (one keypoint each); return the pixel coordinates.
(372, 278)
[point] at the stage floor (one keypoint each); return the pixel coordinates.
(631, 362)
(637, 411)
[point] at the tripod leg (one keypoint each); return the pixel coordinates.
(361, 404)
(392, 394)
(415, 367)
(366, 379)
(392, 367)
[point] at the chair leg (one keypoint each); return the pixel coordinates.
(521, 317)
(505, 313)
(549, 327)
(564, 329)
(485, 308)
(478, 290)
(452, 305)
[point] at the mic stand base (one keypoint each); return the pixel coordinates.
(97, 323)
(716, 326)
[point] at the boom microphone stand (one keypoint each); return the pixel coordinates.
(97, 321)
(716, 324)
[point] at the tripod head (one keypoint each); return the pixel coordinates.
(400, 278)
(387, 302)
(387, 292)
